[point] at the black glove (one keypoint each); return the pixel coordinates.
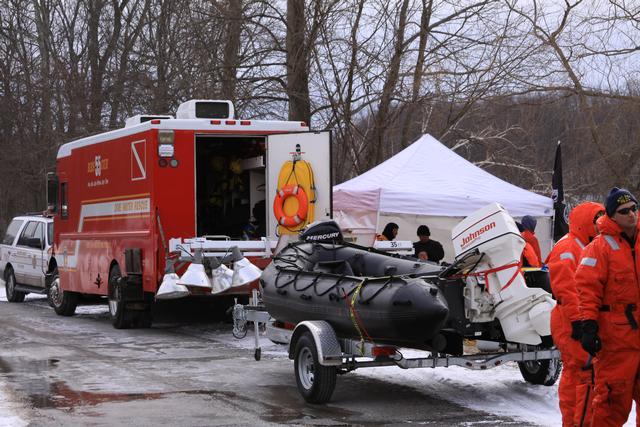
(590, 339)
(576, 330)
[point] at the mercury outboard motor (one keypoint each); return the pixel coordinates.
(322, 232)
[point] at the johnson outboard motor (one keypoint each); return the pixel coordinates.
(322, 232)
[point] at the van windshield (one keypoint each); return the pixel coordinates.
(12, 231)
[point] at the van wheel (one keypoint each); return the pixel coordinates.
(315, 382)
(63, 302)
(10, 287)
(120, 316)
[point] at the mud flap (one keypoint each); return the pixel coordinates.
(131, 283)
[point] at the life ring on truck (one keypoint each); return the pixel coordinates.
(290, 190)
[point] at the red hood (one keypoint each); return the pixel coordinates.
(608, 226)
(581, 220)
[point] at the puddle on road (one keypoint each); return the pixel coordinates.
(19, 364)
(61, 396)
(292, 408)
(30, 378)
(33, 380)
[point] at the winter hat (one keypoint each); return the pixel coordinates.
(529, 223)
(423, 230)
(618, 196)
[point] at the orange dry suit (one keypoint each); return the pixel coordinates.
(608, 285)
(574, 391)
(529, 257)
(530, 238)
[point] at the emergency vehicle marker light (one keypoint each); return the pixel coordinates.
(216, 122)
(163, 163)
(165, 137)
(245, 122)
(230, 122)
(165, 143)
(155, 122)
(173, 163)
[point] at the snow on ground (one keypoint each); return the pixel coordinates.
(9, 409)
(499, 391)
(3, 295)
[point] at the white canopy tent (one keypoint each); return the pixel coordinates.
(429, 184)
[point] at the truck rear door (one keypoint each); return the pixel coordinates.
(314, 149)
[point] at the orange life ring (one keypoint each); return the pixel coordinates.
(290, 190)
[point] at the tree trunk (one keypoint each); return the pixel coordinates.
(231, 54)
(297, 63)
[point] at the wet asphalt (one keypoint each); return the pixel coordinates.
(68, 371)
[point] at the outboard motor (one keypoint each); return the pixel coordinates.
(524, 313)
(322, 232)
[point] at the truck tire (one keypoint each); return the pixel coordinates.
(541, 372)
(120, 316)
(315, 382)
(10, 287)
(63, 302)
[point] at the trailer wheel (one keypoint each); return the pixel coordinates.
(315, 382)
(541, 372)
(63, 302)
(10, 287)
(120, 316)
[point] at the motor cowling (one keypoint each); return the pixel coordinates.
(322, 232)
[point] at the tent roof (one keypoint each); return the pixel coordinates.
(427, 178)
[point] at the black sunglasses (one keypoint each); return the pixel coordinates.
(625, 211)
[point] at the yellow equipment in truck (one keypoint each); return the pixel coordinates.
(295, 198)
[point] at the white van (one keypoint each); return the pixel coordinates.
(25, 251)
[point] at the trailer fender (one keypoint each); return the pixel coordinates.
(329, 350)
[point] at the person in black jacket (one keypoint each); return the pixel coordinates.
(427, 249)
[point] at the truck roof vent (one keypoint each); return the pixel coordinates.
(141, 118)
(205, 109)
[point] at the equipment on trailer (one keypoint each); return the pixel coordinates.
(336, 294)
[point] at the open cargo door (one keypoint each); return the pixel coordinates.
(298, 181)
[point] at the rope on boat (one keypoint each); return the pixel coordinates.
(355, 318)
(485, 275)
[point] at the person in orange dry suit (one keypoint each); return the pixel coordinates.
(528, 232)
(574, 391)
(529, 256)
(609, 294)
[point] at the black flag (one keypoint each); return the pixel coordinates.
(560, 225)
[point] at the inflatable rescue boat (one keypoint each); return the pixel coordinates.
(361, 292)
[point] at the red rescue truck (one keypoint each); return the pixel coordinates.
(131, 203)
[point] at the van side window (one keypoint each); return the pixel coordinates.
(64, 204)
(27, 233)
(50, 233)
(39, 233)
(12, 232)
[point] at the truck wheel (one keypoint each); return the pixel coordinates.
(142, 319)
(541, 372)
(120, 316)
(10, 287)
(315, 382)
(63, 302)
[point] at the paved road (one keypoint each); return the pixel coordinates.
(61, 371)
